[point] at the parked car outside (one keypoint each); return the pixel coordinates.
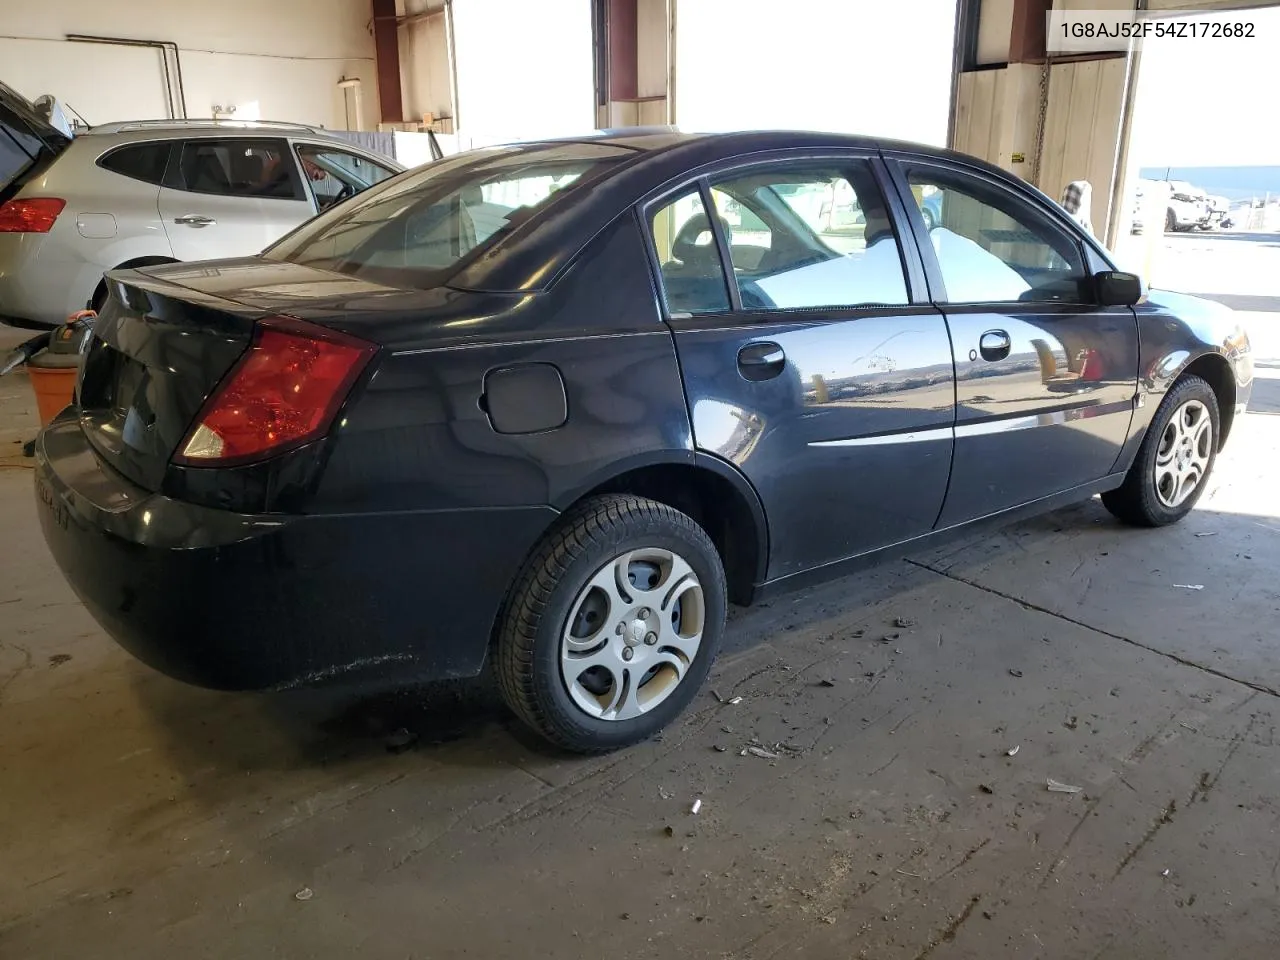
(399, 445)
(1219, 213)
(151, 192)
(1188, 207)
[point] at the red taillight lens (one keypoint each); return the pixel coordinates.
(282, 393)
(30, 216)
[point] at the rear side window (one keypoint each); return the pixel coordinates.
(264, 169)
(688, 258)
(142, 161)
(805, 237)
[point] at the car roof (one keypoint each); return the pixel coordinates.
(532, 256)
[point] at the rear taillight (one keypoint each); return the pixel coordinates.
(284, 392)
(35, 215)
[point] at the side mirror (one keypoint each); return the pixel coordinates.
(1115, 288)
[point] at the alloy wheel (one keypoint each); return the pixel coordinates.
(1182, 458)
(632, 633)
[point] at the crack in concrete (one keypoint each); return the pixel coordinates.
(1060, 859)
(963, 860)
(949, 932)
(1027, 605)
(1166, 817)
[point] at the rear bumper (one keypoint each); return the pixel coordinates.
(235, 601)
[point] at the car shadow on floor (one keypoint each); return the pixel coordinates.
(464, 722)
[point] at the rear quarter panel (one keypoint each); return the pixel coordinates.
(420, 436)
(109, 220)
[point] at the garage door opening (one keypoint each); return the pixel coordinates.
(877, 67)
(1201, 211)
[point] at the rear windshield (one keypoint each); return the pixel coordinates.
(25, 139)
(419, 228)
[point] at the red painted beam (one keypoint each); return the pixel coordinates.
(386, 48)
(1027, 40)
(624, 81)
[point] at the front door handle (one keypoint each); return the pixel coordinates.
(761, 361)
(994, 345)
(195, 220)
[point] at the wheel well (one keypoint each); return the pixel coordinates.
(1215, 371)
(714, 504)
(100, 291)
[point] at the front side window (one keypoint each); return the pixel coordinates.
(413, 229)
(806, 237)
(333, 175)
(239, 168)
(688, 259)
(992, 247)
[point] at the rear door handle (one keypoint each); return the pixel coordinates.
(994, 345)
(195, 220)
(761, 361)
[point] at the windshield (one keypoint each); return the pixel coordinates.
(417, 229)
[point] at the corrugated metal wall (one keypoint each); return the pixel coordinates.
(1082, 124)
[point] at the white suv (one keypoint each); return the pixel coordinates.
(144, 193)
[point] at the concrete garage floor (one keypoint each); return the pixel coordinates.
(142, 818)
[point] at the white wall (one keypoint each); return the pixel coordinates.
(285, 55)
(996, 113)
(879, 67)
(525, 67)
(1082, 128)
(424, 61)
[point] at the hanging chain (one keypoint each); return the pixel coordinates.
(1044, 110)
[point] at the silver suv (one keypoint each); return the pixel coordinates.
(144, 193)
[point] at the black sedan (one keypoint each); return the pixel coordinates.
(554, 405)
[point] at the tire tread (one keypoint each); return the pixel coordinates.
(586, 528)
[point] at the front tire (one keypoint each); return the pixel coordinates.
(613, 624)
(1173, 464)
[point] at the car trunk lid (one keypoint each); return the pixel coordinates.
(157, 351)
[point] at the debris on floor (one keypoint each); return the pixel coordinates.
(1014, 672)
(902, 623)
(730, 702)
(1013, 751)
(1056, 786)
(825, 682)
(401, 740)
(1190, 586)
(697, 805)
(306, 893)
(985, 789)
(760, 752)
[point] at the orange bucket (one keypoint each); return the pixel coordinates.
(54, 382)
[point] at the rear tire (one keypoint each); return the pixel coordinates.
(1175, 460)
(611, 628)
